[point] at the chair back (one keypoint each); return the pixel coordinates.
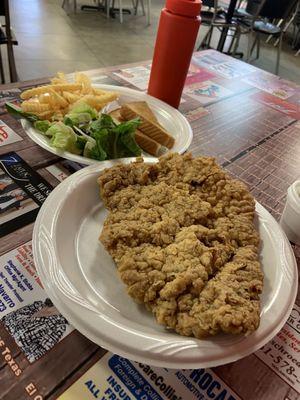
(272, 9)
(297, 16)
(254, 7)
(209, 3)
(4, 10)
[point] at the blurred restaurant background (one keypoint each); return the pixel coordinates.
(40, 37)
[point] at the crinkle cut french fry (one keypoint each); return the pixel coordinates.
(72, 87)
(34, 107)
(105, 99)
(53, 101)
(44, 115)
(44, 98)
(82, 78)
(27, 94)
(85, 90)
(98, 92)
(60, 78)
(85, 81)
(71, 97)
(58, 100)
(57, 116)
(93, 100)
(99, 106)
(57, 81)
(88, 99)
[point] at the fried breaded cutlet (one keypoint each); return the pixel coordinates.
(182, 235)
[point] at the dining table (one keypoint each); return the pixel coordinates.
(249, 120)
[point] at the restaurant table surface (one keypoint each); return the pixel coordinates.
(250, 121)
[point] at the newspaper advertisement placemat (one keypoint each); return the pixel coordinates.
(22, 192)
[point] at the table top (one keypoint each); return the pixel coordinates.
(250, 121)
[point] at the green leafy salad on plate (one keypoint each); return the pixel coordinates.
(86, 132)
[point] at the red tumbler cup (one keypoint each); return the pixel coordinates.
(177, 33)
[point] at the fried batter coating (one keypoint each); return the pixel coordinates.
(182, 235)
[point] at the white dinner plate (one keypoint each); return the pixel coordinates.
(81, 279)
(170, 118)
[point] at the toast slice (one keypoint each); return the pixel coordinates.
(142, 108)
(115, 114)
(147, 126)
(145, 142)
(149, 145)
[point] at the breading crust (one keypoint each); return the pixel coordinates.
(182, 235)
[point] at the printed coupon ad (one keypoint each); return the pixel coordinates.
(114, 377)
(232, 69)
(26, 311)
(268, 83)
(208, 58)
(63, 169)
(22, 192)
(104, 80)
(11, 95)
(7, 135)
(137, 76)
(206, 92)
(282, 353)
(269, 100)
(199, 112)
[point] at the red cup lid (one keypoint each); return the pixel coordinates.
(189, 8)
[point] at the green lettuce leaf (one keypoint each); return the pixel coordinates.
(80, 142)
(112, 140)
(88, 150)
(77, 119)
(126, 144)
(80, 114)
(104, 122)
(63, 137)
(42, 126)
(83, 108)
(101, 150)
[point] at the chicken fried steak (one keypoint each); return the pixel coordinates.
(182, 235)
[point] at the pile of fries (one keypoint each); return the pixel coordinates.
(53, 101)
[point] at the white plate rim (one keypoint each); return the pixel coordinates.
(160, 349)
(40, 140)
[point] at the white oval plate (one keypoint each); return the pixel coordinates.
(81, 279)
(170, 118)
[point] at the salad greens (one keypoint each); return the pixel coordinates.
(86, 133)
(83, 107)
(113, 140)
(42, 126)
(80, 114)
(63, 137)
